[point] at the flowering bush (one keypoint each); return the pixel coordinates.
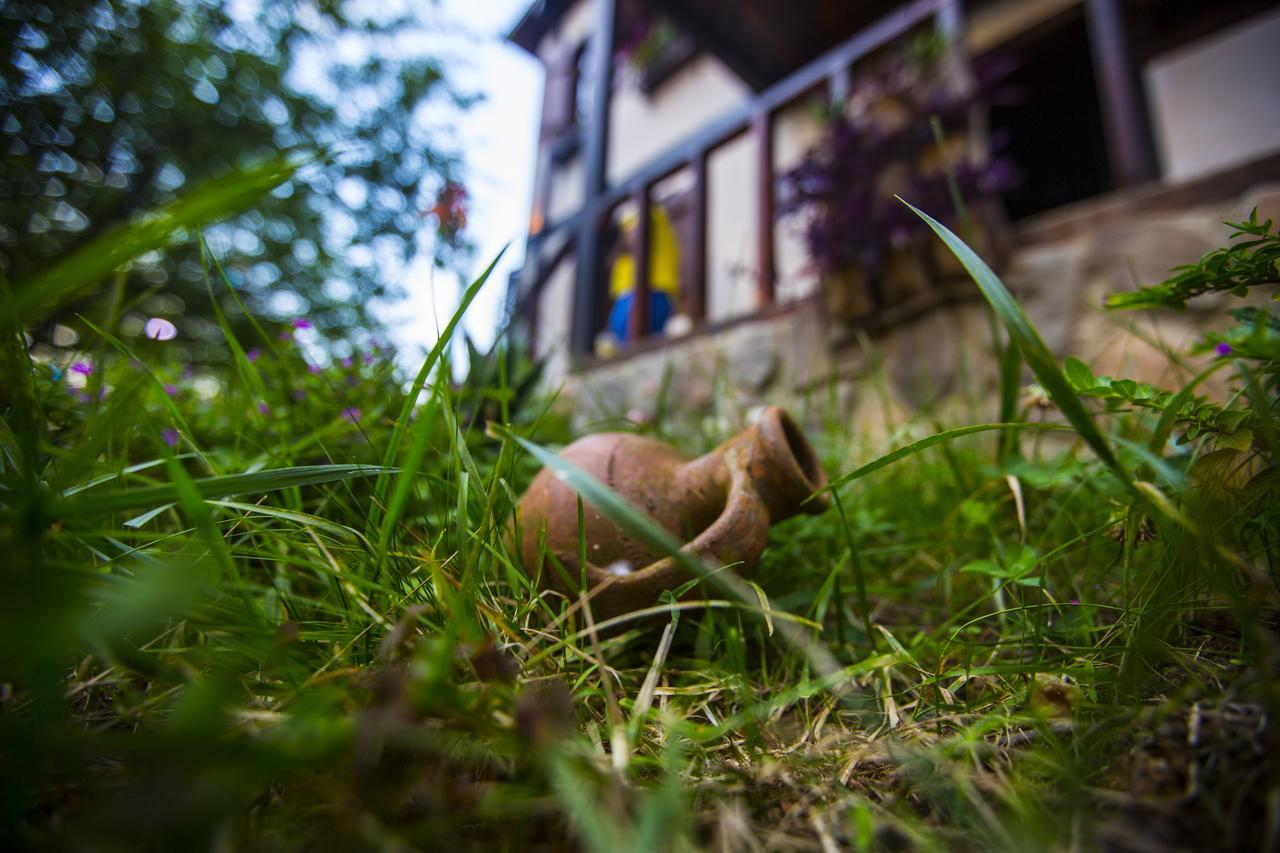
(871, 149)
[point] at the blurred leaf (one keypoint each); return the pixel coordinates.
(1079, 374)
(93, 503)
(39, 294)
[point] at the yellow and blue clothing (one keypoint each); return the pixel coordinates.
(664, 276)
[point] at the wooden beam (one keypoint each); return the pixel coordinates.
(1130, 144)
(839, 87)
(762, 130)
(950, 21)
(586, 303)
(695, 289)
(641, 241)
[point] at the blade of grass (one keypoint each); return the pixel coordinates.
(168, 402)
(1168, 417)
(859, 576)
(212, 487)
(1034, 350)
(930, 441)
(418, 443)
(420, 381)
(240, 359)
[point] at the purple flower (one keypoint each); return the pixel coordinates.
(351, 413)
(369, 356)
(84, 368)
(1223, 349)
(301, 324)
(314, 368)
(347, 363)
(253, 355)
(1075, 601)
(160, 329)
(171, 390)
(170, 437)
(353, 381)
(299, 394)
(264, 409)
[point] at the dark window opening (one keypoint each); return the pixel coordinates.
(1051, 125)
(584, 68)
(1157, 26)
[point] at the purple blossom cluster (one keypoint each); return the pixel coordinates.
(846, 183)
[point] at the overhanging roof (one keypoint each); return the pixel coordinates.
(764, 40)
(760, 40)
(540, 17)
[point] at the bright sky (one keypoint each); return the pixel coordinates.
(497, 139)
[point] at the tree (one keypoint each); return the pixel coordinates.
(110, 108)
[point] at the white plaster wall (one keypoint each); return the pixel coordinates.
(555, 318)
(795, 131)
(567, 189)
(731, 218)
(1216, 103)
(568, 181)
(643, 127)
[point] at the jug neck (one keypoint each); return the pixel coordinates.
(772, 458)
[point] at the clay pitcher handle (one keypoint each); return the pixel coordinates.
(737, 536)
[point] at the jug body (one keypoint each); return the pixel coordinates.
(720, 504)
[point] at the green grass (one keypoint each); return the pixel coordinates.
(286, 614)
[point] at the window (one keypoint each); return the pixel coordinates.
(1050, 126)
(584, 72)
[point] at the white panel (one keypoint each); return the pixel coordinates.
(731, 220)
(1216, 103)
(567, 190)
(795, 131)
(642, 126)
(555, 317)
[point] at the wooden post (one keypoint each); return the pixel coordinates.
(534, 296)
(638, 319)
(586, 303)
(762, 129)
(949, 21)
(839, 85)
(1130, 146)
(695, 290)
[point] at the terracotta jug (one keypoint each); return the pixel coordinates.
(720, 504)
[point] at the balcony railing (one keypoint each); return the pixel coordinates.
(580, 233)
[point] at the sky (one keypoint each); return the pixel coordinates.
(497, 138)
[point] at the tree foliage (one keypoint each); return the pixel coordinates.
(111, 108)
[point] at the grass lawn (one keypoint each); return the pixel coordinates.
(274, 606)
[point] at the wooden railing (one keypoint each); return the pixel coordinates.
(832, 71)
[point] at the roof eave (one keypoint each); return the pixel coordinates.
(537, 20)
